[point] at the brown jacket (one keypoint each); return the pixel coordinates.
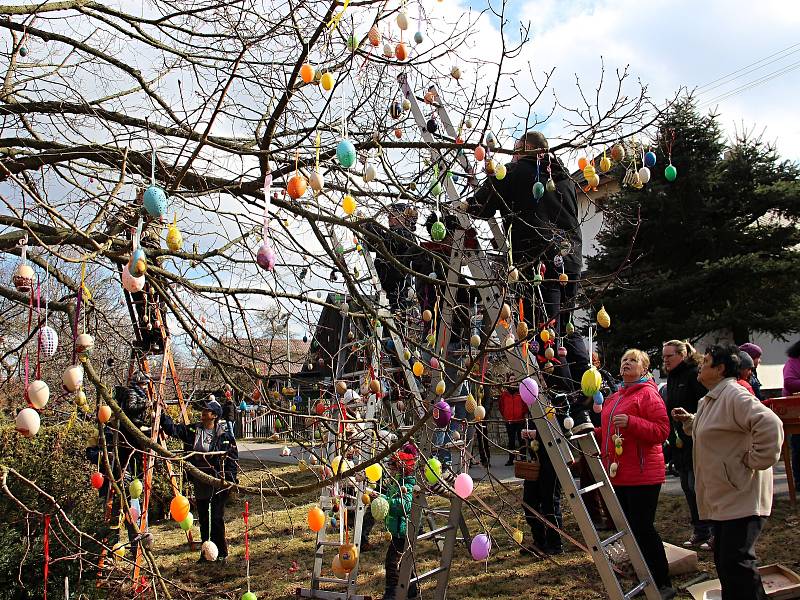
(736, 441)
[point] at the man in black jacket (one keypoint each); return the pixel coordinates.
(544, 232)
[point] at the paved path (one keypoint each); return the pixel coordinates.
(266, 452)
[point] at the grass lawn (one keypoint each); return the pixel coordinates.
(279, 536)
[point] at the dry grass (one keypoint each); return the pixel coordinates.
(279, 536)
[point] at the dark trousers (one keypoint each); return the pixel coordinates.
(514, 431)
(639, 504)
(482, 439)
(735, 557)
(544, 496)
(215, 521)
(701, 528)
(392, 566)
(593, 500)
(795, 442)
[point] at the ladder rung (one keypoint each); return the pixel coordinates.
(333, 580)
(610, 540)
(430, 573)
(433, 533)
(590, 488)
(637, 589)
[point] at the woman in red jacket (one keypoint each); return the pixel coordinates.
(634, 425)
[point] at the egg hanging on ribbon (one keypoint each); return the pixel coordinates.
(138, 263)
(589, 172)
(582, 162)
(316, 180)
(374, 36)
(650, 159)
(644, 175)
(73, 378)
(130, 283)
(670, 173)
(395, 109)
(605, 164)
(346, 153)
(500, 172)
(593, 181)
(538, 190)
(618, 152)
(438, 231)
(84, 344)
(369, 173)
(174, 238)
(418, 37)
(402, 20)
(38, 394)
(550, 186)
(307, 73)
(265, 258)
(327, 81)
(296, 186)
(48, 341)
(348, 205)
(455, 73)
(603, 318)
(155, 201)
(401, 51)
(480, 153)
(388, 51)
(23, 278)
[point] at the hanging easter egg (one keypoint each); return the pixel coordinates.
(84, 344)
(650, 159)
(563, 278)
(545, 335)
(550, 186)
(388, 51)
(346, 153)
(27, 422)
(438, 231)
(455, 73)
(598, 398)
(479, 413)
(348, 556)
(480, 547)
(155, 201)
(440, 387)
(73, 378)
(369, 173)
(174, 238)
(97, 479)
(569, 423)
(336, 564)
(316, 180)
(605, 164)
(582, 162)
(316, 519)
(48, 341)
(340, 465)
(348, 205)
(480, 153)
(434, 363)
(375, 386)
(505, 312)
(418, 37)
(433, 470)
(517, 535)
(432, 126)
(603, 318)
(401, 51)
(23, 278)
(373, 472)
(500, 171)
(249, 596)
(549, 353)
(395, 109)
(591, 381)
(562, 351)
(670, 173)
(23, 51)
(327, 81)
(307, 73)
(589, 172)
(418, 369)
(618, 152)
(522, 330)
(463, 486)
(209, 551)
(130, 283)
(398, 133)
(538, 190)
(296, 186)
(38, 393)
(529, 390)
(135, 488)
(470, 404)
(402, 20)
(379, 508)
(104, 413)
(179, 507)
(265, 258)
(374, 36)
(352, 43)
(644, 175)
(593, 181)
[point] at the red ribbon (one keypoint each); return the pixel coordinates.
(46, 552)
(246, 531)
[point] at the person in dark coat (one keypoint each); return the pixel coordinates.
(683, 390)
(214, 453)
(229, 410)
(545, 239)
(755, 352)
(543, 496)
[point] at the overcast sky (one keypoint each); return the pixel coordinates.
(676, 43)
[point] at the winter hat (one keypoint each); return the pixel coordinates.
(753, 350)
(745, 361)
(406, 458)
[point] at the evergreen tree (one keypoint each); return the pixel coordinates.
(716, 249)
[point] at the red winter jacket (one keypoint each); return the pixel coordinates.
(512, 407)
(642, 459)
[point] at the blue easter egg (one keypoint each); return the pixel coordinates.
(155, 201)
(418, 37)
(538, 190)
(650, 159)
(598, 397)
(346, 153)
(390, 345)
(243, 405)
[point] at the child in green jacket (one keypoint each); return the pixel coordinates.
(399, 494)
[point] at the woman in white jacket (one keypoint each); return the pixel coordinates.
(737, 440)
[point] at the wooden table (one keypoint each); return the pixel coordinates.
(788, 409)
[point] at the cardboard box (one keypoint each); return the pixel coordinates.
(681, 560)
(780, 583)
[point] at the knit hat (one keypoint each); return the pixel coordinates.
(745, 361)
(753, 350)
(406, 458)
